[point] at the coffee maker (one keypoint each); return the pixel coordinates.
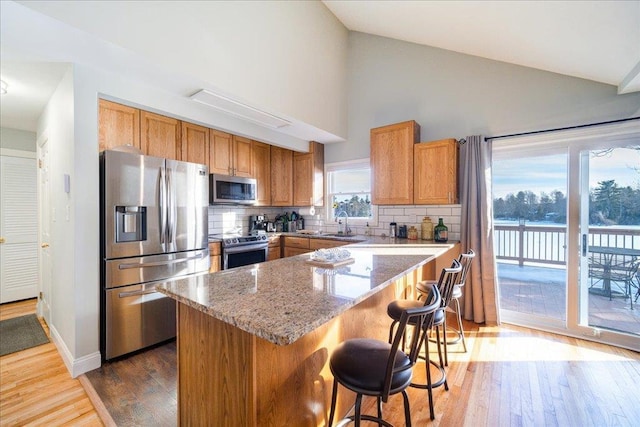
(257, 225)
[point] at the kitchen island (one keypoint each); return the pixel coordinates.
(254, 342)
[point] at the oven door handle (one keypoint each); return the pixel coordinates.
(245, 248)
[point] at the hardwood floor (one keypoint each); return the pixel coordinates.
(140, 390)
(35, 386)
(511, 376)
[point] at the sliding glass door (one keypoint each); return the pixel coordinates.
(530, 217)
(610, 241)
(567, 232)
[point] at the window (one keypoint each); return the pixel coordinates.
(349, 191)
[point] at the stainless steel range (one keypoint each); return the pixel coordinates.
(243, 250)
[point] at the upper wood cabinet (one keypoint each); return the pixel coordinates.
(392, 163)
(195, 143)
(159, 135)
(281, 176)
(229, 154)
(117, 125)
(436, 172)
(308, 176)
(261, 171)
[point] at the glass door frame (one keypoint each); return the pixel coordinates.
(576, 142)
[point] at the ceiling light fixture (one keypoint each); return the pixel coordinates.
(238, 109)
(3, 87)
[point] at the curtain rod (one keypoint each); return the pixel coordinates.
(489, 138)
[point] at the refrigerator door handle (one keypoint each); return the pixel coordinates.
(127, 266)
(163, 206)
(136, 293)
(171, 207)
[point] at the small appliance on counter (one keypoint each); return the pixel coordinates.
(257, 225)
(402, 232)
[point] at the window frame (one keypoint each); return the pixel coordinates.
(344, 166)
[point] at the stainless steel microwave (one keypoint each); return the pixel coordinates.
(225, 189)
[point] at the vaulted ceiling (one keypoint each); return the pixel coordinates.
(594, 40)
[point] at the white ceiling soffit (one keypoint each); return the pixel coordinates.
(594, 40)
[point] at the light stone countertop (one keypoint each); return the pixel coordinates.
(284, 299)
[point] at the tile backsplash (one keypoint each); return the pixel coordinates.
(225, 219)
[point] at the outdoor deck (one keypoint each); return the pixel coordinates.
(541, 291)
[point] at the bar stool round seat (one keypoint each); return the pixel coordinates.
(366, 375)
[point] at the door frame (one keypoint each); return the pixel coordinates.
(45, 280)
(575, 141)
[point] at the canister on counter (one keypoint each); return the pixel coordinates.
(412, 234)
(427, 229)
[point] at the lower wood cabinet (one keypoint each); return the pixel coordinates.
(274, 248)
(324, 244)
(215, 251)
(301, 245)
(292, 246)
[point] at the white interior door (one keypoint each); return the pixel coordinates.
(44, 306)
(18, 229)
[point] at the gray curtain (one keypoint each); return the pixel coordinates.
(476, 231)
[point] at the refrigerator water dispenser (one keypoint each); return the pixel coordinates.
(131, 223)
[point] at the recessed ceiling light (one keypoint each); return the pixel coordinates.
(3, 87)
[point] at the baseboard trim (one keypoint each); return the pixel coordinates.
(78, 366)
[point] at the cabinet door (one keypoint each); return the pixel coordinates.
(215, 255)
(308, 176)
(281, 177)
(303, 179)
(294, 251)
(242, 156)
(325, 243)
(436, 172)
(195, 143)
(117, 125)
(220, 152)
(261, 171)
(392, 163)
(160, 135)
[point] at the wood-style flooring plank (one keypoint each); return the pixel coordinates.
(35, 386)
(510, 376)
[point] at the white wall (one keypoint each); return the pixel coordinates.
(452, 95)
(15, 139)
(286, 57)
(57, 122)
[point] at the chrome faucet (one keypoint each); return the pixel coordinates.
(343, 229)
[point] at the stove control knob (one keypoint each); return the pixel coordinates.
(263, 237)
(227, 241)
(235, 240)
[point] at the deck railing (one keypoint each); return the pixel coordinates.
(547, 244)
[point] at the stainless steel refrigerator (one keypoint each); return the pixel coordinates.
(153, 216)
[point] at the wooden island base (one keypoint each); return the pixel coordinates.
(227, 376)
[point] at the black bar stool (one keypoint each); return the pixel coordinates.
(376, 368)
(448, 278)
(465, 261)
